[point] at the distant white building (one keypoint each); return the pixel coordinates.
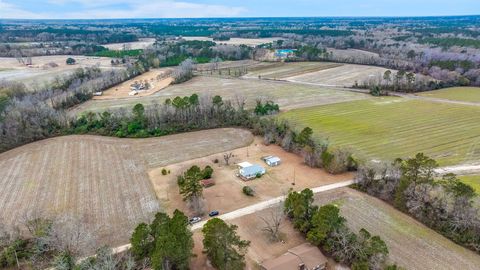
(272, 161)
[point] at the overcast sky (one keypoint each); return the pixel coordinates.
(97, 9)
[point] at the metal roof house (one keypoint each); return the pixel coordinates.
(249, 171)
(303, 257)
(272, 161)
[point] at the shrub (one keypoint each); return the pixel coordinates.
(248, 191)
(207, 172)
(258, 175)
(216, 161)
(164, 171)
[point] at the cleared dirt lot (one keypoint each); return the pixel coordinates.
(227, 194)
(237, 41)
(100, 180)
(281, 70)
(411, 244)
(142, 43)
(341, 76)
(40, 72)
(287, 95)
(157, 79)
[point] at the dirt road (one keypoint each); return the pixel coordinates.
(463, 169)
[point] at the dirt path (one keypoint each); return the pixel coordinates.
(252, 209)
(432, 99)
(463, 169)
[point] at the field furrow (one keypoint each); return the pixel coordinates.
(100, 182)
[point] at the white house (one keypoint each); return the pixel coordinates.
(248, 171)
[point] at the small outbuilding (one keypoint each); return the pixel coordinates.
(248, 171)
(206, 183)
(272, 161)
(303, 257)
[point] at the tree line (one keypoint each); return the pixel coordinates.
(445, 204)
(326, 228)
(166, 243)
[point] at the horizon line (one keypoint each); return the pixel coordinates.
(247, 17)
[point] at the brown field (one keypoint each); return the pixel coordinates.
(227, 194)
(281, 70)
(156, 78)
(342, 76)
(229, 64)
(40, 73)
(236, 41)
(101, 181)
(353, 53)
(287, 95)
(411, 244)
(142, 43)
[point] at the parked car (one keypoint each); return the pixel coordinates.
(195, 220)
(213, 213)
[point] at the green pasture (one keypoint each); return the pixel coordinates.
(389, 127)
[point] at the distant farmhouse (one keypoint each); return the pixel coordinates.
(303, 257)
(248, 171)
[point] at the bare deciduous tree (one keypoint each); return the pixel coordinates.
(227, 157)
(273, 221)
(70, 234)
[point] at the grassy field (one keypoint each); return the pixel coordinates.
(342, 76)
(472, 180)
(45, 68)
(287, 95)
(469, 94)
(119, 53)
(282, 70)
(411, 244)
(387, 128)
(101, 181)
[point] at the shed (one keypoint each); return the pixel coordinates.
(272, 161)
(206, 183)
(251, 172)
(302, 257)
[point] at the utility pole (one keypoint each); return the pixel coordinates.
(293, 183)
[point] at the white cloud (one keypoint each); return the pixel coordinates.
(10, 11)
(108, 9)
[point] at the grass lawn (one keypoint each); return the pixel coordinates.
(388, 127)
(470, 94)
(472, 180)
